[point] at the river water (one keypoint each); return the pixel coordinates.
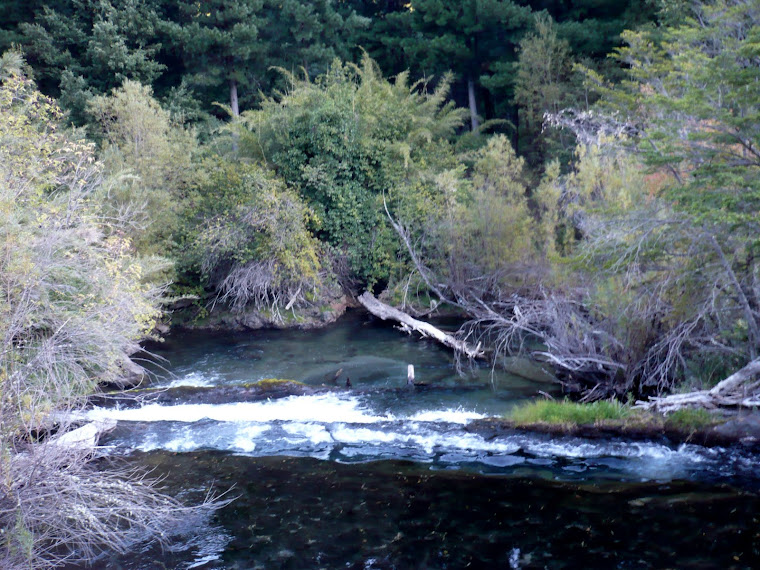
(376, 475)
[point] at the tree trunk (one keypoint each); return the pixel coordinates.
(516, 137)
(739, 389)
(473, 104)
(409, 324)
(234, 98)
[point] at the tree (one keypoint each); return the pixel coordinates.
(341, 141)
(14, 13)
(73, 306)
(222, 45)
(693, 94)
(697, 111)
(543, 85)
(82, 48)
(466, 37)
(307, 35)
(472, 231)
(676, 287)
(150, 158)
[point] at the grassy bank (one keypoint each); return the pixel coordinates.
(566, 412)
(608, 413)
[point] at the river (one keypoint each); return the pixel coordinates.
(376, 475)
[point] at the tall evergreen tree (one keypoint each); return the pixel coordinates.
(466, 37)
(544, 83)
(79, 48)
(309, 34)
(14, 13)
(221, 44)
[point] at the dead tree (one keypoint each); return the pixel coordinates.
(741, 389)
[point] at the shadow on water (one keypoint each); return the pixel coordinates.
(305, 513)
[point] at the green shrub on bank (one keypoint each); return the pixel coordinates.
(567, 412)
(343, 142)
(247, 238)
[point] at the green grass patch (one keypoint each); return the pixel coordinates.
(688, 419)
(567, 412)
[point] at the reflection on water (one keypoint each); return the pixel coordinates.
(372, 354)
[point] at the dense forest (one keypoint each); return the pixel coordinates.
(578, 180)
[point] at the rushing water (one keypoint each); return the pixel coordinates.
(380, 476)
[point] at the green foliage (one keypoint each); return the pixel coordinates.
(15, 12)
(488, 232)
(220, 41)
(74, 303)
(476, 231)
(567, 412)
(691, 245)
(689, 419)
(150, 158)
(81, 48)
(306, 35)
(545, 83)
(474, 38)
(247, 237)
(344, 140)
(698, 76)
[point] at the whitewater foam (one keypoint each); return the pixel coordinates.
(195, 380)
(452, 416)
(323, 408)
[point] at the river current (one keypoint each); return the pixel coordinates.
(375, 475)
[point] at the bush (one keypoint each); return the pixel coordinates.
(342, 142)
(73, 307)
(247, 238)
(150, 159)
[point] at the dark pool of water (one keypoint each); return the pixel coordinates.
(305, 513)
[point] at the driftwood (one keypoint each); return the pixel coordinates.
(408, 324)
(741, 389)
(85, 437)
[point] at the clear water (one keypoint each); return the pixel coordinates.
(380, 476)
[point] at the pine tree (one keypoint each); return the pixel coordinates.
(220, 40)
(80, 48)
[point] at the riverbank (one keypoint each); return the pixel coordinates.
(701, 427)
(210, 316)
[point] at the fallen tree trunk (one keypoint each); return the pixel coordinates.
(741, 389)
(408, 324)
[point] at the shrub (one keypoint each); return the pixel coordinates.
(342, 142)
(248, 238)
(73, 306)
